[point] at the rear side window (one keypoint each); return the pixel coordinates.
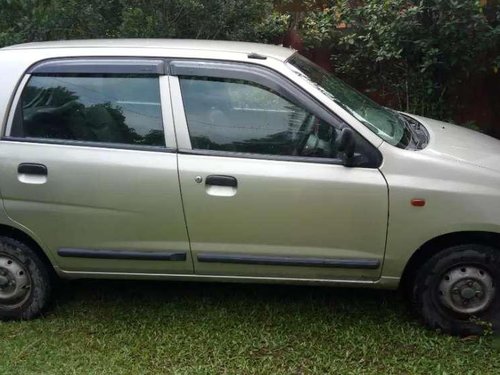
(100, 108)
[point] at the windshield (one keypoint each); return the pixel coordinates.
(387, 124)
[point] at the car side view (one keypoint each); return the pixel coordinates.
(229, 161)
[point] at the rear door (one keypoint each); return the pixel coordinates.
(264, 187)
(89, 166)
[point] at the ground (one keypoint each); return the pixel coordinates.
(123, 327)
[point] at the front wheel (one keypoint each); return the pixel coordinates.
(458, 290)
(25, 283)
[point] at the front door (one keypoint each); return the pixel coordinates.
(264, 188)
(89, 170)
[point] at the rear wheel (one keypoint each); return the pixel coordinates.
(25, 283)
(457, 290)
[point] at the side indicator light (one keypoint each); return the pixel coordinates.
(417, 202)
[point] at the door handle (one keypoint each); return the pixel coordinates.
(217, 180)
(32, 169)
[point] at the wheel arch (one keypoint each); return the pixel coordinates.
(436, 244)
(21, 236)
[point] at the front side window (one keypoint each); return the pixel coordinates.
(242, 116)
(119, 109)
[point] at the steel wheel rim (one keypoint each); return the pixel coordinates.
(466, 289)
(15, 282)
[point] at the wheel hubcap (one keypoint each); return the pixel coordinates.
(15, 282)
(3, 281)
(466, 289)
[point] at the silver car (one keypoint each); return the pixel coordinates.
(225, 161)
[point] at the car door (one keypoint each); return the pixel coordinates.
(264, 186)
(89, 166)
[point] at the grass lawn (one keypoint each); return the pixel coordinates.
(121, 327)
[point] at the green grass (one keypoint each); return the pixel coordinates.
(113, 327)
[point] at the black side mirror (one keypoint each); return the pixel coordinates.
(346, 145)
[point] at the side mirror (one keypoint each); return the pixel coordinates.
(346, 145)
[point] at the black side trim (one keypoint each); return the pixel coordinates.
(288, 261)
(105, 65)
(122, 254)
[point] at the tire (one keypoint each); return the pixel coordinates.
(25, 283)
(457, 291)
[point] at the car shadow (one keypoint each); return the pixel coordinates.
(231, 298)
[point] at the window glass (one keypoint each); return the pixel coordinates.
(122, 109)
(241, 116)
(386, 123)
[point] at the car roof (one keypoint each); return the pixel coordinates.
(277, 52)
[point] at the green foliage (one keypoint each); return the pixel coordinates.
(32, 20)
(318, 27)
(231, 19)
(413, 53)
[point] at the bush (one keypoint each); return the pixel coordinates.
(414, 54)
(411, 55)
(34, 20)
